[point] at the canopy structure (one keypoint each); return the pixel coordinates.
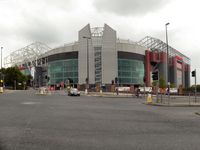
(156, 44)
(27, 56)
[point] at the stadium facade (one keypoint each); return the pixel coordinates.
(102, 57)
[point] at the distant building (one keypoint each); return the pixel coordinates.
(110, 59)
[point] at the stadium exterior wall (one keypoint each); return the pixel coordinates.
(110, 58)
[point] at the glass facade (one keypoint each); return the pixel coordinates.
(26, 72)
(130, 71)
(61, 70)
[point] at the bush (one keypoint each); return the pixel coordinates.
(192, 89)
(162, 82)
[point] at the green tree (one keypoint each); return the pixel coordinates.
(13, 76)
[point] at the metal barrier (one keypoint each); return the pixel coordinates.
(177, 99)
(43, 91)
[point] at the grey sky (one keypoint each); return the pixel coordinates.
(129, 7)
(56, 22)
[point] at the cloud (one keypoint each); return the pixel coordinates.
(60, 4)
(55, 22)
(129, 7)
(38, 29)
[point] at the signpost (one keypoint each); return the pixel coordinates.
(168, 91)
(1, 86)
(155, 77)
(195, 79)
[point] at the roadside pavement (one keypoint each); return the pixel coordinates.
(174, 101)
(109, 94)
(192, 104)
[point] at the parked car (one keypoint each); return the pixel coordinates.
(74, 92)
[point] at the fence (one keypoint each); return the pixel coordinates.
(186, 99)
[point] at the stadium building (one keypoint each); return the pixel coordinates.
(101, 58)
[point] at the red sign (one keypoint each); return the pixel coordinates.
(179, 58)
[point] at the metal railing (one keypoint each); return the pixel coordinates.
(184, 99)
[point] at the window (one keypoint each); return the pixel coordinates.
(130, 71)
(61, 70)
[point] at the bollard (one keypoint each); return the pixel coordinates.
(86, 92)
(189, 98)
(101, 93)
(1, 89)
(41, 91)
(149, 99)
(168, 97)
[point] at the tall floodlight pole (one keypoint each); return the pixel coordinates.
(87, 79)
(195, 85)
(167, 52)
(1, 56)
(1, 75)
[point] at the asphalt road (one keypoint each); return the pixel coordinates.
(60, 122)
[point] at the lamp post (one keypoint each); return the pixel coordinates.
(167, 52)
(1, 56)
(1, 77)
(167, 72)
(87, 79)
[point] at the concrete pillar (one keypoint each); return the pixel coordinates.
(147, 68)
(109, 55)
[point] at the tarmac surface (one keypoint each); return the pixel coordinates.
(59, 122)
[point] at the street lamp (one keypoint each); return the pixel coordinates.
(1, 56)
(2, 76)
(87, 79)
(167, 51)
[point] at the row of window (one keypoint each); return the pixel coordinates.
(59, 80)
(129, 74)
(130, 80)
(129, 62)
(64, 74)
(129, 71)
(62, 70)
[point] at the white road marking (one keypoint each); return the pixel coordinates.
(30, 103)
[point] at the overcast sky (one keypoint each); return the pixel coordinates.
(55, 22)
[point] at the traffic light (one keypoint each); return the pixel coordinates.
(116, 80)
(71, 80)
(155, 75)
(194, 73)
(144, 79)
(86, 80)
(1, 83)
(47, 78)
(112, 82)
